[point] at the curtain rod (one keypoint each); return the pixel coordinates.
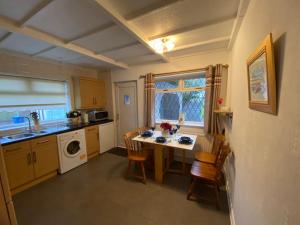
(179, 72)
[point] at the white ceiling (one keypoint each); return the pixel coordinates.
(115, 33)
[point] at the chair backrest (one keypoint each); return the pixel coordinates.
(217, 144)
(224, 151)
(130, 144)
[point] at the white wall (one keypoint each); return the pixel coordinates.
(266, 170)
(179, 64)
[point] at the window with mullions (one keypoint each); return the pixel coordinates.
(176, 96)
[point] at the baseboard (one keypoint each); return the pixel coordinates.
(231, 213)
(33, 183)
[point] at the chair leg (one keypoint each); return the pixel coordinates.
(143, 170)
(128, 168)
(190, 192)
(218, 204)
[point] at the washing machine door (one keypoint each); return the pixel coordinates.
(72, 148)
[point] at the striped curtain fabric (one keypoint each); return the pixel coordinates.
(150, 100)
(216, 87)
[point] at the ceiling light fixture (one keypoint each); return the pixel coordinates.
(162, 45)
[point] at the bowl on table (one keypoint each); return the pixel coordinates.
(185, 140)
(160, 139)
(146, 134)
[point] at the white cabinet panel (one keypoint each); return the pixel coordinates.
(107, 136)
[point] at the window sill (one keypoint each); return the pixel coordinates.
(184, 124)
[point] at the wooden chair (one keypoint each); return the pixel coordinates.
(209, 174)
(135, 154)
(149, 148)
(211, 157)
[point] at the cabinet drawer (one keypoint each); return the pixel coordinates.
(92, 129)
(42, 141)
(24, 145)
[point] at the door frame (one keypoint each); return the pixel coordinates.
(116, 106)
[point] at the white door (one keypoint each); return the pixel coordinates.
(126, 109)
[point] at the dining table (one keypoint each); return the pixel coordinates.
(159, 148)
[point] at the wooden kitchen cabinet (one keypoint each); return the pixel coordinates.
(92, 141)
(31, 162)
(89, 93)
(44, 155)
(18, 160)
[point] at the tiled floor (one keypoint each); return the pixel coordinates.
(98, 193)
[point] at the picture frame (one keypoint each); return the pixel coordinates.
(261, 78)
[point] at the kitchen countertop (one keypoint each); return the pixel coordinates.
(52, 130)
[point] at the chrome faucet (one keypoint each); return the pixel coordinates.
(29, 124)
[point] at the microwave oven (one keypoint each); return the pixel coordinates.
(96, 115)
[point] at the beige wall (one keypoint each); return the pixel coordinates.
(20, 65)
(266, 172)
(179, 64)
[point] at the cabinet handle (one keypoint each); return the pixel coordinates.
(95, 101)
(34, 157)
(28, 158)
(42, 142)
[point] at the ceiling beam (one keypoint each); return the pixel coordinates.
(193, 27)
(129, 27)
(151, 9)
(243, 6)
(43, 51)
(5, 36)
(94, 31)
(197, 44)
(119, 47)
(28, 31)
(35, 11)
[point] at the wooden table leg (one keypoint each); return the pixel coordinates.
(158, 161)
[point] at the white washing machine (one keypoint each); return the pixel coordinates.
(72, 150)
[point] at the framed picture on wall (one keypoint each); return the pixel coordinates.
(261, 78)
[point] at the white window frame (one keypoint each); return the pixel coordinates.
(180, 88)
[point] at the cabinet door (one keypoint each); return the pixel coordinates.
(92, 140)
(4, 218)
(18, 162)
(87, 93)
(44, 155)
(100, 94)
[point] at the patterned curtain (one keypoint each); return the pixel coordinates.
(150, 100)
(215, 88)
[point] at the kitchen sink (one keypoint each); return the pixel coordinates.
(39, 132)
(20, 136)
(26, 135)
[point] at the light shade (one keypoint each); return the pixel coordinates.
(162, 45)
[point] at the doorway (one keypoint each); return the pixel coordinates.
(126, 109)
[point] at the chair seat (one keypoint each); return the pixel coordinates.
(204, 171)
(138, 155)
(205, 157)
